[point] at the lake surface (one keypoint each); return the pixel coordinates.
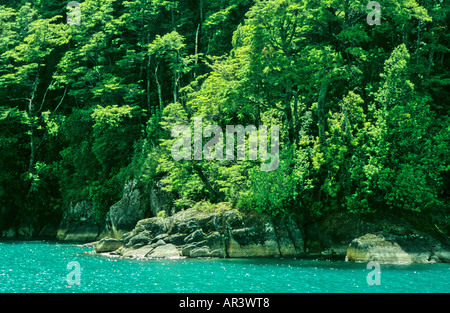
(39, 266)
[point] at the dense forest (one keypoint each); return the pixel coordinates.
(363, 109)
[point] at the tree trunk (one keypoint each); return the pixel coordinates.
(419, 28)
(295, 117)
(159, 88)
(289, 117)
(321, 109)
(31, 115)
(196, 50)
(148, 78)
(201, 11)
(214, 194)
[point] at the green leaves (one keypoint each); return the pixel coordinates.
(404, 123)
(115, 130)
(167, 44)
(364, 125)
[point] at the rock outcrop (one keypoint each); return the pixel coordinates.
(222, 232)
(388, 248)
(123, 215)
(383, 238)
(108, 245)
(218, 232)
(160, 200)
(78, 223)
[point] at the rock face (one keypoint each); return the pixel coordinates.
(220, 232)
(123, 215)
(78, 223)
(332, 235)
(31, 227)
(160, 200)
(389, 248)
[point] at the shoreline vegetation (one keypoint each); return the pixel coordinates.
(90, 98)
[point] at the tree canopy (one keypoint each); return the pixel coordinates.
(363, 109)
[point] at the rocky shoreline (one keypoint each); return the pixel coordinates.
(224, 232)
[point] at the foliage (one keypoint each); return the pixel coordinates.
(362, 110)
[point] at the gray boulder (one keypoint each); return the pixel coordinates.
(164, 251)
(108, 245)
(389, 248)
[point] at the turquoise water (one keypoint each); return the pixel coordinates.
(37, 266)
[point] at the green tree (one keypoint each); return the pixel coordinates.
(407, 164)
(32, 43)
